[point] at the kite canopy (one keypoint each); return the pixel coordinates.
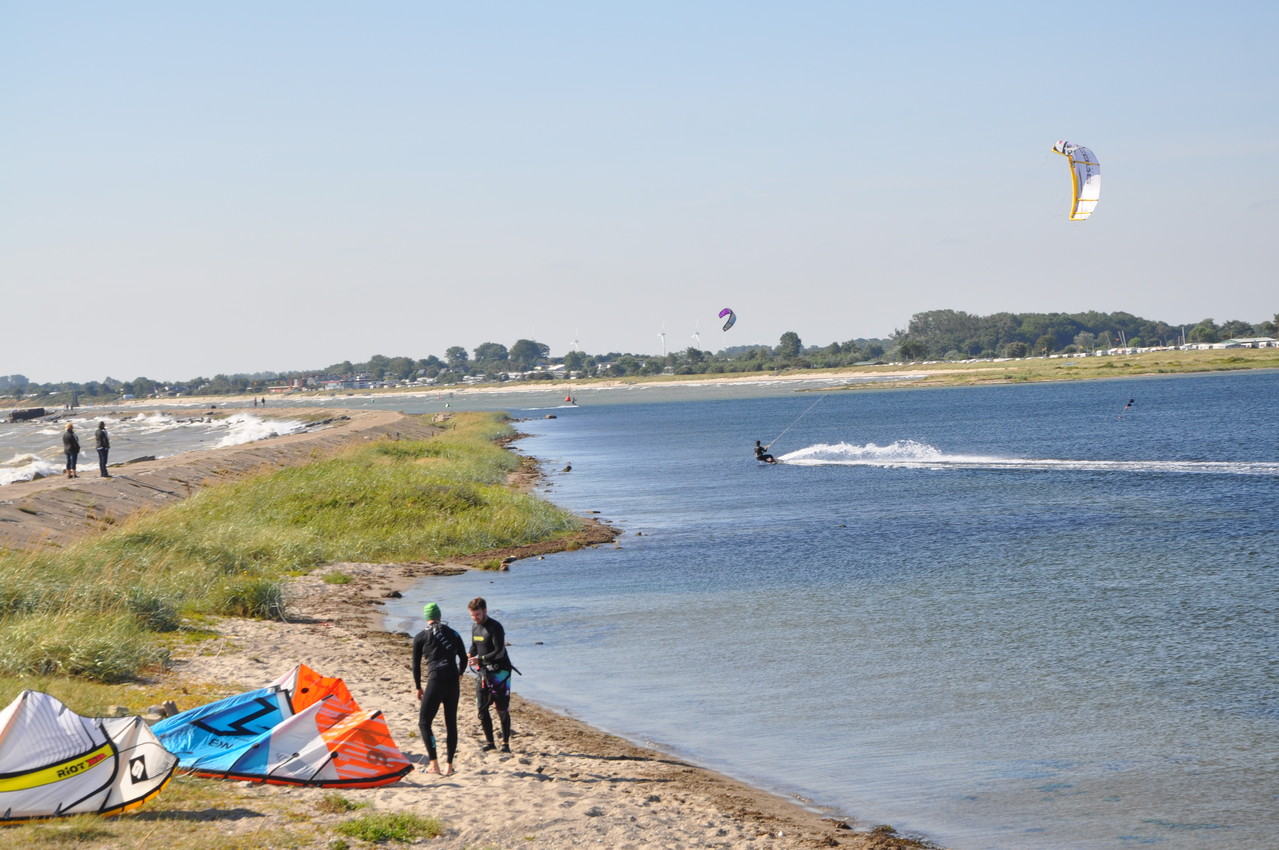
(53, 762)
(305, 686)
(303, 729)
(1085, 178)
(732, 317)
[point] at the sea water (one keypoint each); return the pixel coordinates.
(1006, 617)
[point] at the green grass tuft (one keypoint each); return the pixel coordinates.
(391, 826)
(334, 803)
(249, 596)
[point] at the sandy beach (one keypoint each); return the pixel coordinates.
(564, 785)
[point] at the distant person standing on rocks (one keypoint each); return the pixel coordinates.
(493, 667)
(71, 445)
(104, 446)
(445, 657)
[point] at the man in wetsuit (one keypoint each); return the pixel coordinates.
(763, 456)
(493, 668)
(445, 657)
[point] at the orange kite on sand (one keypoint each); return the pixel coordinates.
(302, 729)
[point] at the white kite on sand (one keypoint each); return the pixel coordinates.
(53, 762)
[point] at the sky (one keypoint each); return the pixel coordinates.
(188, 189)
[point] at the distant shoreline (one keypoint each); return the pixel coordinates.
(886, 376)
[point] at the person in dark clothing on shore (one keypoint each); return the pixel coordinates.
(493, 668)
(445, 656)
(104, 445)
(71, 446)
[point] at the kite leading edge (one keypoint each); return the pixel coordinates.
(1085, 177)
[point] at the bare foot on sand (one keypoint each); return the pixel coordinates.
(448, 770)
(433, 767)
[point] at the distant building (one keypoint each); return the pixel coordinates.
(1250, 342)
(293, 385)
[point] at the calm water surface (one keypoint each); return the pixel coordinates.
(1000, 617)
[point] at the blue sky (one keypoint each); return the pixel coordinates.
(188, 189)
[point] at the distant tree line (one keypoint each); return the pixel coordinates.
(934, 335)
(955, 335)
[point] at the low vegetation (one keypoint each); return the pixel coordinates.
(189, 814)
(101, 609)
(381, 827)
(1074, 368)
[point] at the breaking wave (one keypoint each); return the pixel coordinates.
(908, 454)
(245, 428)
(24, 467)
(38, 452)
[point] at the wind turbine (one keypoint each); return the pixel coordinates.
(697, 335)
(576, 343)
(662, 335)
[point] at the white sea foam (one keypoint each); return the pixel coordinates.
(908, 454)
(39, 451)
(245, 428)
(24, 467)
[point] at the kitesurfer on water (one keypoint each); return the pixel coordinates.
(445, 655)
(493, 667)
(763, 456)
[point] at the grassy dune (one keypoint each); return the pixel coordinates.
(1074, 369)
(103, 609)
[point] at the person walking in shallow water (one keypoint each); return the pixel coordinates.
(493, 668)
(445, 657)
(71, 447)
(104, 446)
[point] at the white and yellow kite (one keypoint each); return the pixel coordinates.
(1085, 176)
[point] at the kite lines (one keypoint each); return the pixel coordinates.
(793, 424)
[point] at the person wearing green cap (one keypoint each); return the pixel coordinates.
(445, 656)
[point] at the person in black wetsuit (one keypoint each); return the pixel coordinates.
(445, 655)
(493, 667)
(762, 455)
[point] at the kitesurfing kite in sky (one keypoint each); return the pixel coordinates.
(1085, 178)
(732, 317)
